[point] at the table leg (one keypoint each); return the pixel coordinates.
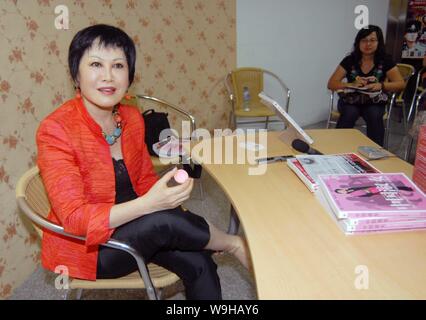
(234, 222)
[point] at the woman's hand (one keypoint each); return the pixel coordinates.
(377, 86)
(159, 197)
(360, 81)
(162, 197)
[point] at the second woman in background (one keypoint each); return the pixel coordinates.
(367, 67)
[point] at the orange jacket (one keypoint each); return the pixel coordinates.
(77, 170)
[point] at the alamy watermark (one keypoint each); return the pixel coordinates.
(223, 147)
(62, 280)
(62, 20)
(362, 281)
(361, 21)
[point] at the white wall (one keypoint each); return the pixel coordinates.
(302, 41)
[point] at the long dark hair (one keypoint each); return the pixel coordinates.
(363, 33)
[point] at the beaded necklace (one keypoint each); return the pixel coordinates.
(112, 138)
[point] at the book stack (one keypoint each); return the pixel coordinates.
(309, 167)
(372, 203)
(419, 172)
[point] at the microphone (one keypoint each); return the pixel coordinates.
(302, 146)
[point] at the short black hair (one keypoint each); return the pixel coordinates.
(363, 33)
(108, 36)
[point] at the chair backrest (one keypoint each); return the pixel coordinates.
(30, 189)
(252, 78)
(406, 70)
(145, 102)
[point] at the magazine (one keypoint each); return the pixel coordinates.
(373, 195)
(363, 90)
(309, 167)
(297, 168)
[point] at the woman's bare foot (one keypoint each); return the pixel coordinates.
(223, 242)
(239, 250)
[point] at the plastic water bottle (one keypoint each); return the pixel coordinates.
(246, 99)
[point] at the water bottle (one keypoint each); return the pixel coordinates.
(246, 99)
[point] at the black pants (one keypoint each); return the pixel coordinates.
(372, 114)
(173, 239)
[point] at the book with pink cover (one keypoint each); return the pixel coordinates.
(373, 195)
(309, 167)
(372, 225)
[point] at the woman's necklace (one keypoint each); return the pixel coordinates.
(112, 138)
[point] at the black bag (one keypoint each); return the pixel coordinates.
(194, 171)
(155, 122)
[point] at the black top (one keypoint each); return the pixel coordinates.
(123, 186)
(379, 71)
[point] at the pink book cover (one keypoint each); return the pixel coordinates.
(419, 172)
(374, 194)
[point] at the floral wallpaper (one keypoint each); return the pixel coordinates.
(184, 47)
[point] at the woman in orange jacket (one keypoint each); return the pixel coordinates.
(101, 183)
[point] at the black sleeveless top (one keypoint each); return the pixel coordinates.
(123, 186)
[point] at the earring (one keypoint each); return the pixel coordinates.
(128, 97)
(77, 93)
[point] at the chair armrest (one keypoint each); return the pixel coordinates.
(422, 94)
(112, 243)
(46, 224)
(166, 104)
(284, 87)
(416, 107)
(389, 106)
(332, 92)
(143, 270)
(419, 83)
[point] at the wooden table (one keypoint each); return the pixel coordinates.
(297, 250)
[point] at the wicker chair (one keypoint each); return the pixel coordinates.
(253, 79)
(334, 115)
(419, 94)
(34, 203)
(407, 71)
